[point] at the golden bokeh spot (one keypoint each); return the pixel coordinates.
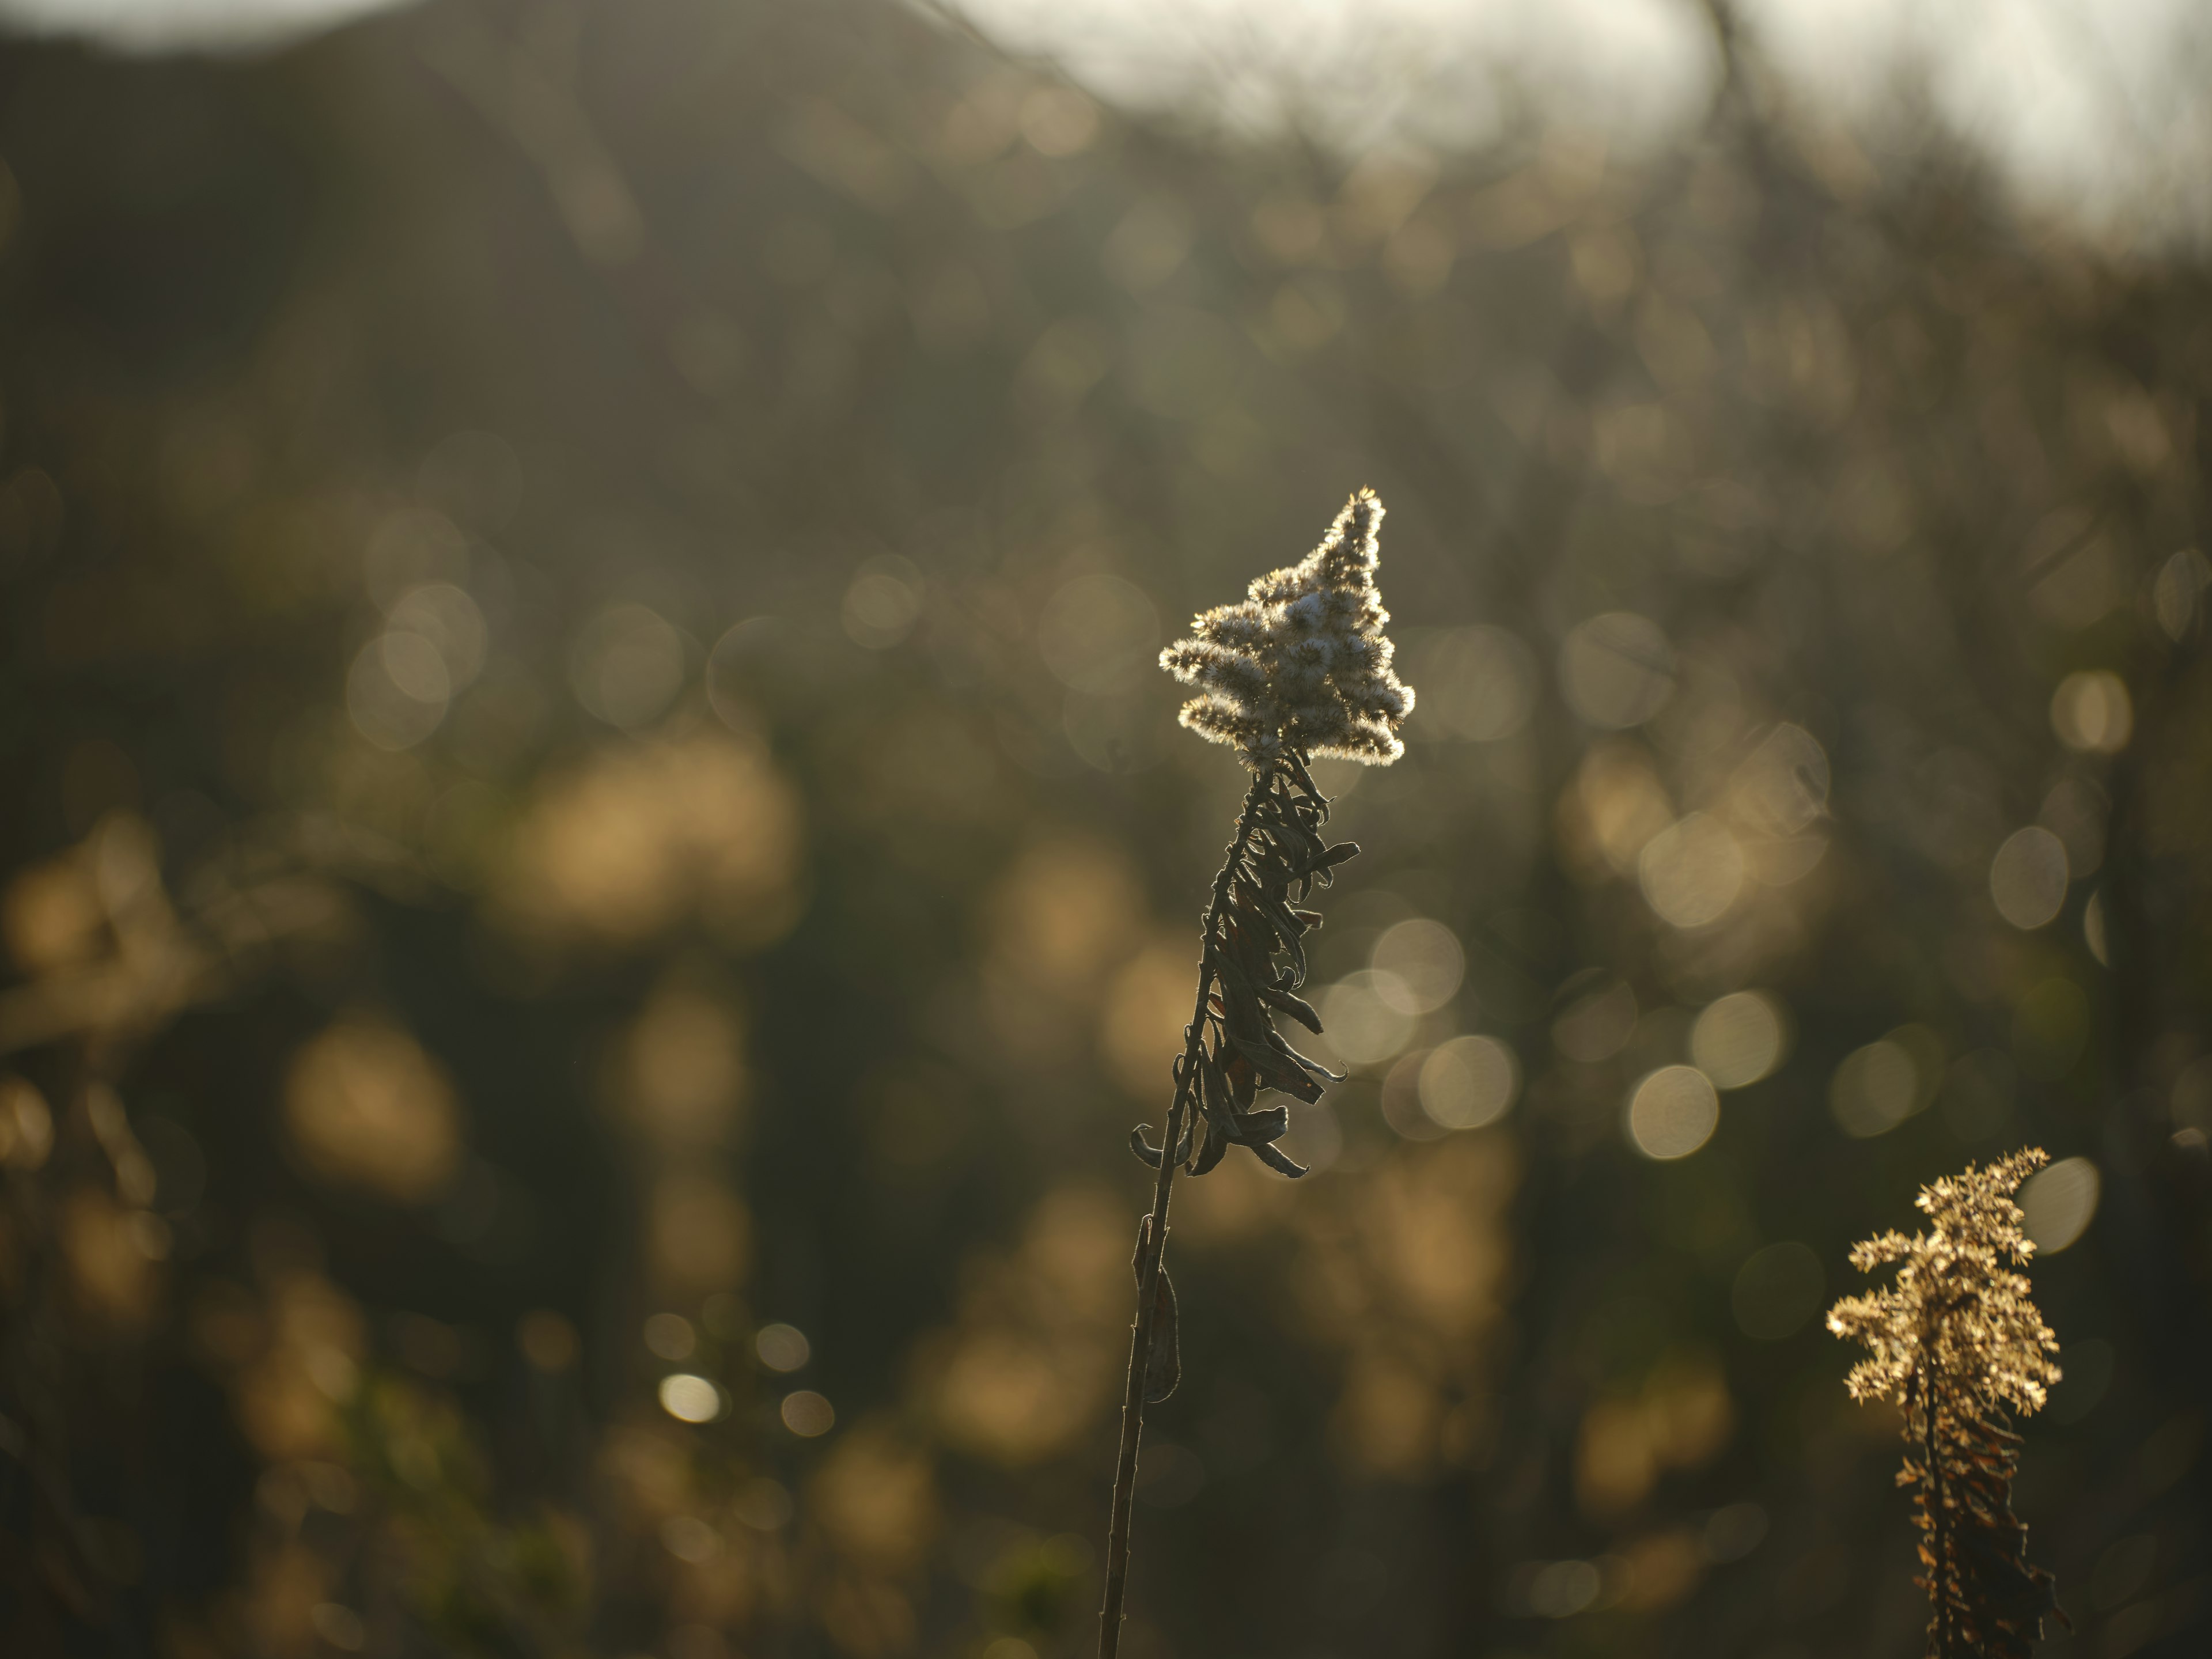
(647, 1466)
(1614, 808)
(1005, 1395)
(1234, 1201)
(1781, 790)
(226, 1326)
(1387, 1414)
(2029, 878)
(1690, 1412)
(1672, 1112)
(1614, 1464)
(1662, 1568)
(683, 1074)
(52, 916)
(807, 1413)
(1467, 1083)
(923, 763)
(1055, 926)
(1692, 870)
(1877, 1087)
(1681, 1418)
(1032, 1360)
(638, 838)
(1739, 1038)
(1434, 1224)
(548, 1341)
(2058, 1203)
(1140, 1029)
(1064, 913)
(875, 1496)
(867, 1618)
(698, 1232)
(1076, 1254)
(1404, 1272)
(307, 1365)
(718, 1580)
(285, 1586)
(26, 1125)
(367, 1107)
(113, 1252)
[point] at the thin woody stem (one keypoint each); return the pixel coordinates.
(1939, 1529)
(1155, 1239)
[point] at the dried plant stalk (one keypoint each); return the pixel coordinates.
(1301, 667)
(1957, 1343)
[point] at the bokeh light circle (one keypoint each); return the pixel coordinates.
(1420, 965)
(1876, 1088)
(1672, 1112)
(1401, 1099)
(1692, 870)
(627, 666)
(671, 1336)
(883, 601)
(690, 1399)
(1469, 1082)
(1739, 1039)
(2091, 713)
(1735, 1532)
(1617, 670)
(1561, 1589)
(416, 668)
(807, 1413)
(2029, 878)
(398, 691)
(1477, 684)
(1099, 634)
(1597, 1024)
(2059, 1203)
(1363, 1014)
(452, 623)
(782, 1347)
(762, 1504)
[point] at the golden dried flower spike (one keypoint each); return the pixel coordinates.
(1957, 1343)
(1300, 668)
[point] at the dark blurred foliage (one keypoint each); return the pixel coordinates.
(599, 867)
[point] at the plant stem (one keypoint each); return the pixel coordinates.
(1939, 1530)
(1156, 1241)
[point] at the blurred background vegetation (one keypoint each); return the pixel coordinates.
(598, 867)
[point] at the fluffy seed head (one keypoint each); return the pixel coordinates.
(1303, 663)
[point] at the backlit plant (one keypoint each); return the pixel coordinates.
(1956, 1343)
(1300, 668)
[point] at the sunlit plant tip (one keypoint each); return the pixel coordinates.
(1302, 664)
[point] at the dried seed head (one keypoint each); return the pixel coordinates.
(1957, 1317)
(1956, 1342)
(1302, 664)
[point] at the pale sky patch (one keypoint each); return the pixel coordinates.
(175, 25)
(2092, 111)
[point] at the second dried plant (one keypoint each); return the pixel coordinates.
(1957, 1345)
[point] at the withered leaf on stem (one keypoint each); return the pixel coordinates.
(1255, 961)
